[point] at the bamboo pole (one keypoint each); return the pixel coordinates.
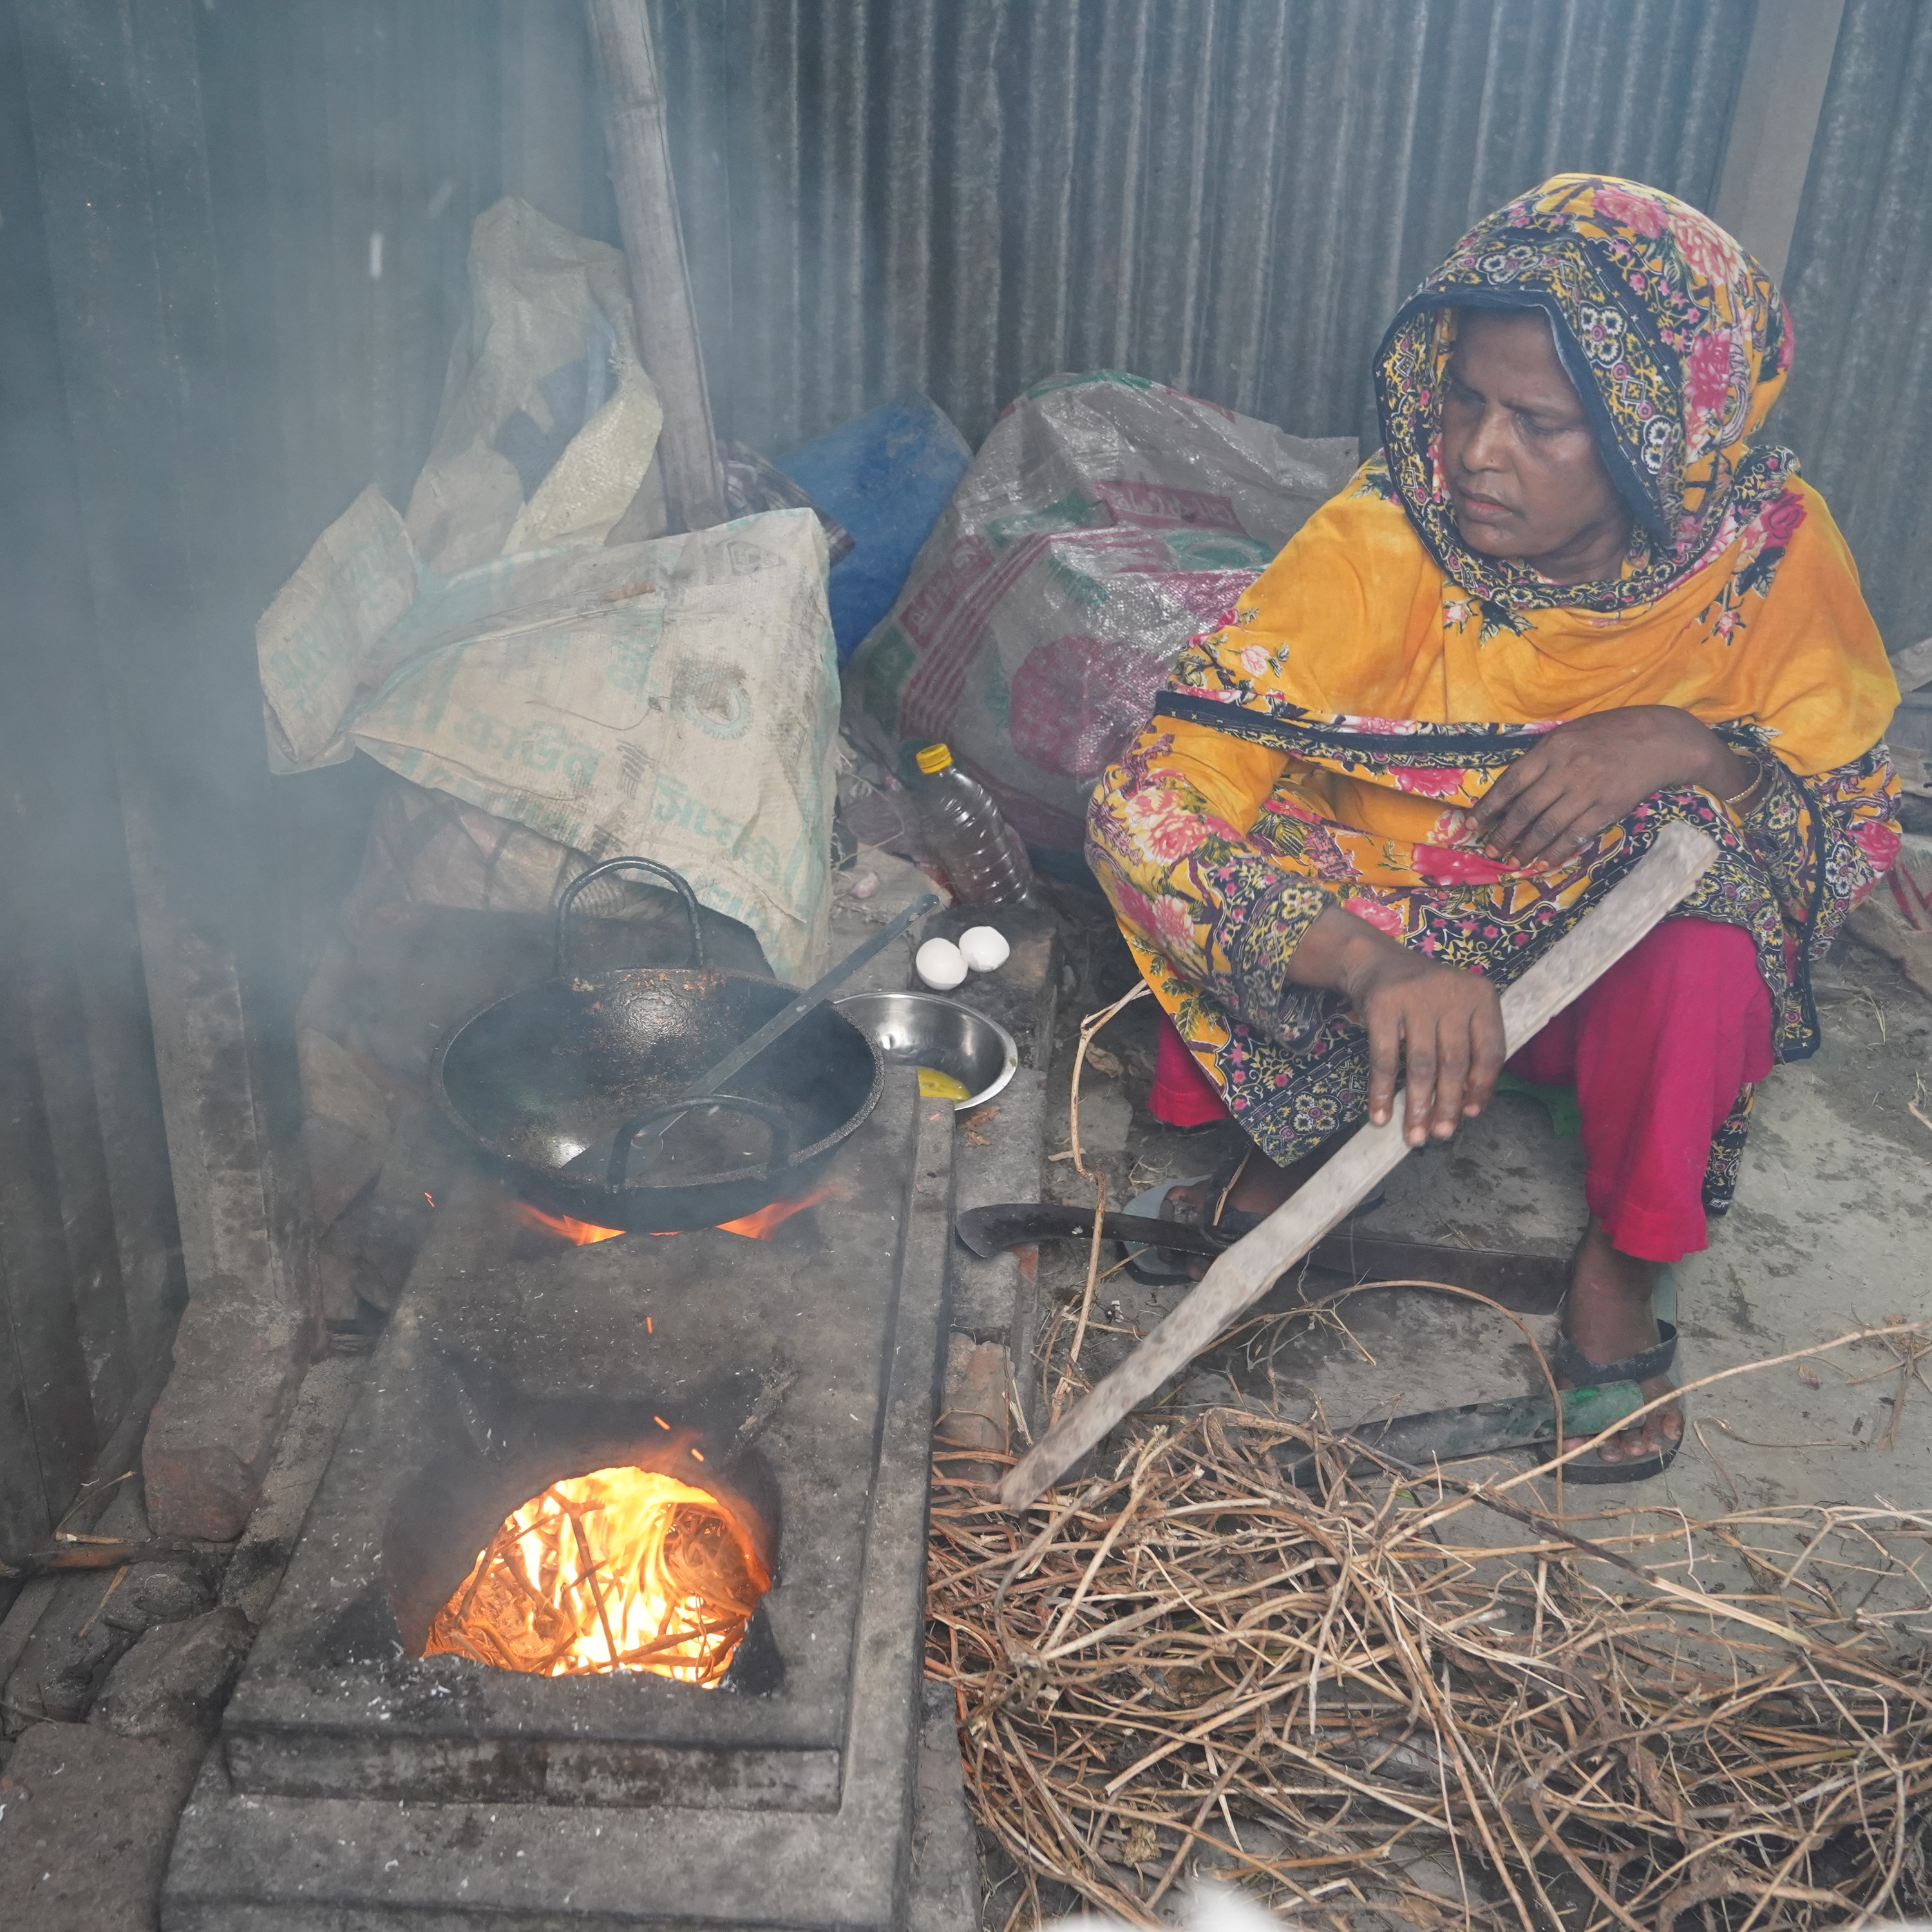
(668, 343)
(1678, 858)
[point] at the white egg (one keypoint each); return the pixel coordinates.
(986, 948)
(940, 964)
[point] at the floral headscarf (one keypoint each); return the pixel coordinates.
(1678, 343)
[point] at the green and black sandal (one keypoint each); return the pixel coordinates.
(1576, 1367)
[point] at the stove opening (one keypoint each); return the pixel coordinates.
(623, 1569)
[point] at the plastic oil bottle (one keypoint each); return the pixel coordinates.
(982, 857)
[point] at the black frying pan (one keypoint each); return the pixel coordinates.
(544, 1081)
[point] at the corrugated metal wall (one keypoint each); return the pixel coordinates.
(1231, 196)
(962, 196)
(1859, 407)
(90, 1269)
(203, 367)
(350, 146)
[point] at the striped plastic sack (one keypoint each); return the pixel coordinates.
(1105, 521)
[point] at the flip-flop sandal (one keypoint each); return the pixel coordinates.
(1570, 1362)
(1152, 1267)
(1161, 1267)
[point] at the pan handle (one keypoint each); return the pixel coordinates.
(676, 880)
(774, 1117)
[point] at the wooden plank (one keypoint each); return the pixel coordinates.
(1678, 858)
(668, 343)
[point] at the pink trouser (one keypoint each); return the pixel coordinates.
(1658, 1048)
(1182, 1095)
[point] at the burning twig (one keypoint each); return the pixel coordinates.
(484, 1563)
(672, 1639)
(75, 1553)
(660, 1579)
(589, 1577)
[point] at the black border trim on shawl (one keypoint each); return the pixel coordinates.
(1502, 745)
(1815, 839)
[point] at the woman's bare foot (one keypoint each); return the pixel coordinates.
(1261, 1187)
(1608, 1314)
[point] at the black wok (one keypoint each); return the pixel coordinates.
(545, 1081)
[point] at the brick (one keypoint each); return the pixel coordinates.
(974, 1415)
(238, 1360)
(175, 1680)
(154, 1593)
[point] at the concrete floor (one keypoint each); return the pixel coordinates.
(1832, 1231)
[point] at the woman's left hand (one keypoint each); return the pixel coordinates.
(1583, 776)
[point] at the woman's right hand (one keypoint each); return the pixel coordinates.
(1445, 1024)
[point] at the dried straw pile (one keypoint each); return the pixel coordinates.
(1349, 1701)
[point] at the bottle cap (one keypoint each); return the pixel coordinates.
(934, 758)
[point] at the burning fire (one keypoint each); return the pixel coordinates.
(759, 1226)
(620, 1570)
(762, 1224)
(580, 1234)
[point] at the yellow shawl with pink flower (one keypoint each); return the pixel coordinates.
(1322, 743)
(1739, 601)
(1355, 632)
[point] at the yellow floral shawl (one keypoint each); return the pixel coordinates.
(1319, 744)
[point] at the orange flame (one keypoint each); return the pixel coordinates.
(759, 1225)
(762, 1224)
(580, 1234)
(620, 1570)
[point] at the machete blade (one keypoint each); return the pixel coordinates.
(1530, 1284)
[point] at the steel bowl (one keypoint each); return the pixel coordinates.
(925, 1030)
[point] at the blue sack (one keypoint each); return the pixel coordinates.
(885, 476)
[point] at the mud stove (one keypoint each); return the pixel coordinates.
(779, 1392)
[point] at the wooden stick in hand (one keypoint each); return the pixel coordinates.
(1678, 857)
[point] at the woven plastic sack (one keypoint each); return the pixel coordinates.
(1105, 520)
(548, 422)
(428, 848)
(677, 699)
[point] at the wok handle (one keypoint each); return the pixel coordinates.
(676, 880)
(774, 1117)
